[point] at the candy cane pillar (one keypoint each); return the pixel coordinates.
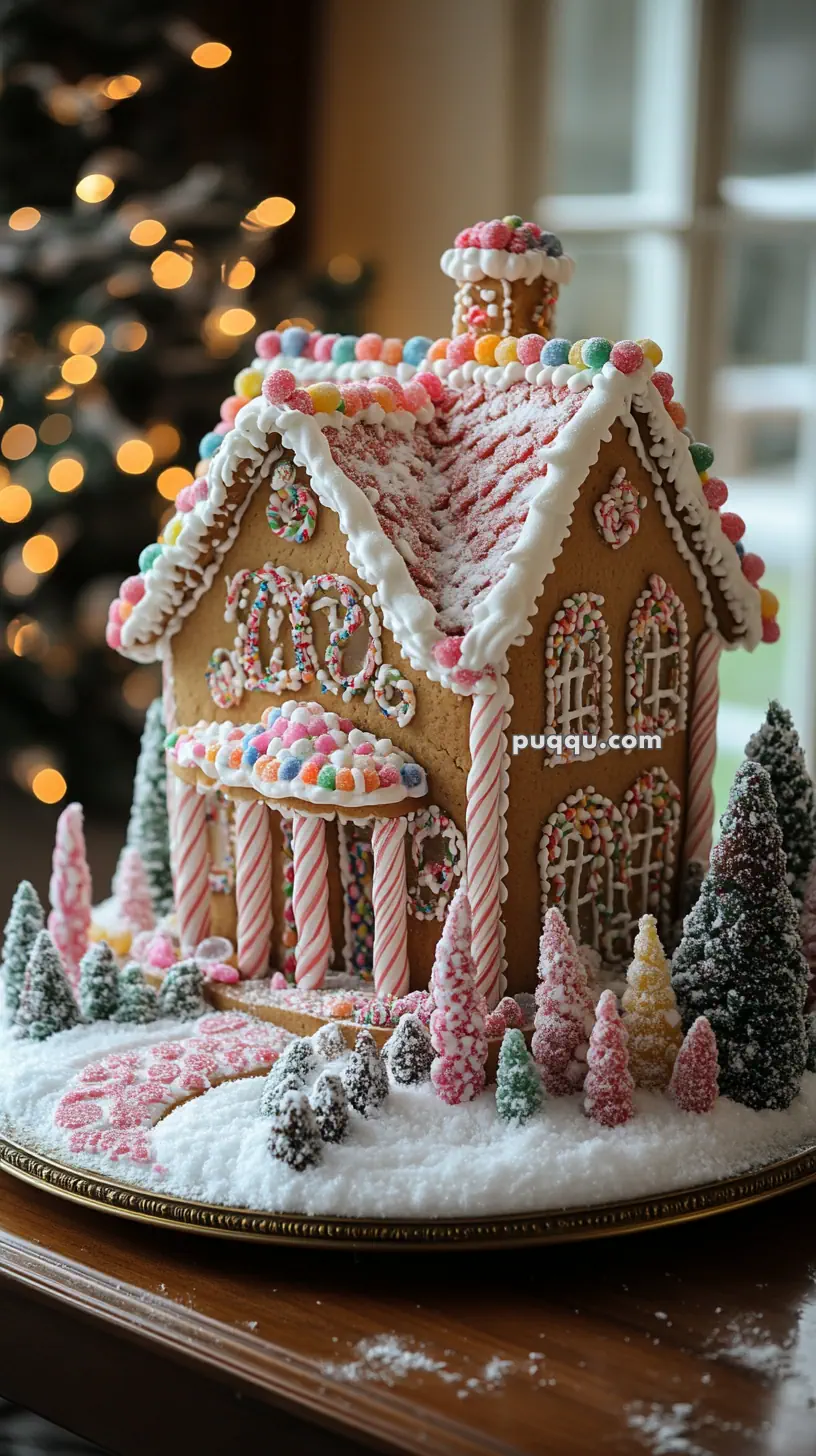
(484, 834)
(310, 900)
(253, 886)
(702, 749)
(389, 895)
(191, 865)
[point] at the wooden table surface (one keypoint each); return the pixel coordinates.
(699, 1339)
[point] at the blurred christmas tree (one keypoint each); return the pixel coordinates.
(134, 233)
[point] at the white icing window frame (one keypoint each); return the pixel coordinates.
(655, 796)
(577, 649)
(564, 848)
(653, 706)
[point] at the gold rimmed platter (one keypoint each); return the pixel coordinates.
(552, 1226)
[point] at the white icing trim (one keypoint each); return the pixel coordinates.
(469, 265)
(593, 645)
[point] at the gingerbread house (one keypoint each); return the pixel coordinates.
(441, 610)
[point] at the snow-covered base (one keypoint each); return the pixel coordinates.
(416, 1158)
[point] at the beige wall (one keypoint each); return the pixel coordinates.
(415, 140)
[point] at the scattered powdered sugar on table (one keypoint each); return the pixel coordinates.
(388, 1359)
(673, 1430)
(745, 1342)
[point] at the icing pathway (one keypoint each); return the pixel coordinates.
(112, 1105)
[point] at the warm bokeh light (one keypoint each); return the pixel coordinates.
(235, 321)
(62, 391)
(65, 104)
(295, 323)
(87, 339)
(40, 554)
(55, 429)
(18, 442)
(66, 474)
(147, 232)
(49, 786)
(129, 336)
(15, 504)
(211, 54)
(18, 581)
(119, 88)
(240, 275)
(170, 270)
(343, 268)
(124, 284)
(26, 637)
(24, 218)
(95, 187)
(273, 211)
(134, 457)
(78, 369)
(169, 483)
(163, 439)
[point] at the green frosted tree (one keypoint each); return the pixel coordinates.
(740, 962)
(138, 1002)
(47, 1004)
(776, 746)
(148, 829)
(518, 1084)
(181, 992)
(98, 983)
(24, 924)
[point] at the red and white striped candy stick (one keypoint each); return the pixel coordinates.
(253, 887)
(702, 749)
(310, 900)
(191, 865)
(485, 792)
(389, 895)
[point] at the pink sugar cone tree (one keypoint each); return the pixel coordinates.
(69, 921)
(457, 1026)
(564, 1009)
(133, 898)
(609, 1086)
(695, 1078)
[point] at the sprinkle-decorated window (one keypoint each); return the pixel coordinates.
(651, 820)
(438, 861)
(577, 674)
(580, 864)
(657, 661)
(221, 841)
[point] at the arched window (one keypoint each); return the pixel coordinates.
(657, 661)
(651, 819)
(580, 864)
(577, 671)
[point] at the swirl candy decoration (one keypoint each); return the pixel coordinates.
(292, 509)
(310, 900)
(253, 887)
(389, 894)
(485, 791)
(191, 866)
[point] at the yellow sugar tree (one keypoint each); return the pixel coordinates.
(650, 1011)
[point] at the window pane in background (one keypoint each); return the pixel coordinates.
(767, 282)
(591, 88)
(774, 124)
(597, 300)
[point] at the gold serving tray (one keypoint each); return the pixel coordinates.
(554, 1226)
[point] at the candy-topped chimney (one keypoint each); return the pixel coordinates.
(507, 273)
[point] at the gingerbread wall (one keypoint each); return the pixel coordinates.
(586, 563)
(437, 736)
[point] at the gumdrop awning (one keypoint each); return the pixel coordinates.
(298, 753)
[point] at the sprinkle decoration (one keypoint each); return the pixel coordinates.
(435, 878)
(583, 835)
(618, 511)
(578, 640)
(291, 511)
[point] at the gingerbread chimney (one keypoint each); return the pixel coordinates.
(508, 274)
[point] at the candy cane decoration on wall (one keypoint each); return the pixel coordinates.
(484, 834)
(310, 900)
(253, 887)
(389, 893)
(191, 865)
(702, 749)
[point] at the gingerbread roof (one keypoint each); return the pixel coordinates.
(455, 512)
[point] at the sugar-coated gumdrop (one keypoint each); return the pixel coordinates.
(132, 589)
(664, 384)
(381, 395)
(460, 350)
(115, 610)
(391, 351)
(448, 652)
(230, 407)
(769, 602)
(626, 356)
(414, 350)
(201, 468)
(201, 489)
(352, 397)
(248, 383)
(576, 355)
(507, 350)
(369, 346)
(113, 635)
(161, 953)
(467, 677)
(555, 351)
(715, 492)
(432, 384)
(484, 349)
(324, 346)
(702, 455)
(595, 352)
(387, 381)
(652, 351)
(495, 234)
(208, 444)
(513, 220)
(676, 413)
(278, 982)
(325, 397)
(733, 526)
(344, 350)
(300, 400)
(770, 630)
(222, 428)
(278, 386)
(149, 555)
(753, 567)
(438, 350)
(476, 317)
(172, 531)
(416, 397)
(294, 341)
(551, 245)
(268, 344)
